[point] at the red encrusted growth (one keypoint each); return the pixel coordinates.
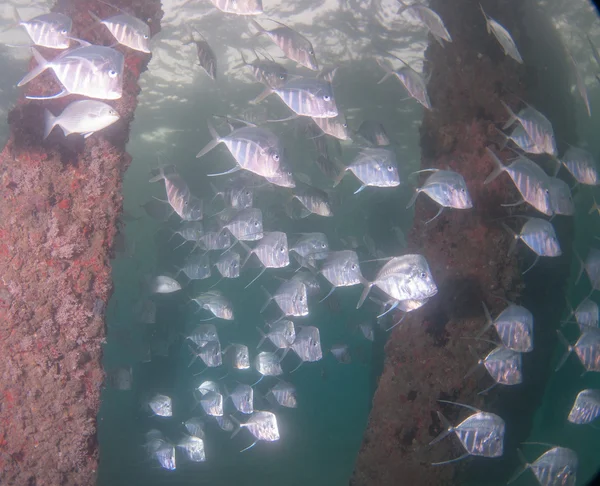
(60, 204)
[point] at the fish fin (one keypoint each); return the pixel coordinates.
(388, 72)
(160, 176)
(95, 17)
(413, 199)
(288, 118)
(248, 250)
(487, 22)
(476, 366)
(537, 257)
(237, 424)
(499, 166)
(60, 94)
(566, 343)
(449, 461)
(330, 292)
(42, 65)
(269, 299)
(392, 307)
(230, 171)
(368, 286)
(296, 368)
(488, 318)
(212, 144)
(50, 122)
(258, 27)
(360, 189)
(396, 323)
(515, 236)
(504, 137)
(257, 277)
(476, 410)
(512, 117)
(339, 177)
(161, 200)
(250, 446)
(483, 392)
(85, 134)
(436, 215)
(263, 337)
(266, 92)
(524, 468)
(594, 207)
(447, 426)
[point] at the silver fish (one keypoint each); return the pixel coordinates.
(580, 81)
(306, 97)
(586, 408)
(120, 378)
(313, 200)
(367, 331)
(268, 364)
(236, 197)
(215, 240)
(228, 264)
(581, 165)
(239, 356)
(225, 423)
(91, 71)
(586, 315)
(531, 181)
(587, 349)
(293, 44)
(196, 267)
(522, 140)
(445, 187)
(481, 434)
(537, 126)
(267, 71)
(195, 427)
(189, 231)
(555, 467)
(193, 210)
(84, 116)
(309, 280)
(239, 7)
(212, 403)
(504, 366)
(539, 235)
(412, 81)
(161, 449)
(514, 326)
(591, 267)
(283, 394)
(161, 405)
(503, 37)
(336, 127)
(163, 285)
(206, 56)
(215, 302)
(311, 247)
(255, 149)
(127, 30)
(307, 344)
(242, 397)
(374, 133)
(342, 269)
(282, 334)
(262, 425)
(560, 197)
(271, 251)
(210, 354)
(244, 225)
(283, 178)
(291, 297)
(51, 30)
(341, 353)
(430, 19)
(406, 277)
(193, 448)
(373, 167)
(178, 192)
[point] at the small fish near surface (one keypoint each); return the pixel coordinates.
(514, 326)
(268, 364)
(529, 178)
(206, 56)
(127, 30)
(293, 44)
(196, 267)
(481, 434)
(262, 425)
(336, 127)
(539, 235)
(586, 408)
(445, 187)
(413, 82)
(271, 251)
(313, 201)
(310, 247)
(91, 71)
(85, 117)
(587, 349)
(430, 19)
(307, 344)
(266, 71)
(244, 225)
(555, 467)
(178, 194)
(503, 37)
(242, 397)
(375, 167)
(282, 334)
(52, 30)
(236, 196)
(229, 265)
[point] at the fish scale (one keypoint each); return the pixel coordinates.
(586, 408)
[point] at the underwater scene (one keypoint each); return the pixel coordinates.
(338, 242)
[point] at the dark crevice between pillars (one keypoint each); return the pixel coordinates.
(426, 356)
(61, 200)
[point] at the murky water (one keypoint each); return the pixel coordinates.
(320, 439)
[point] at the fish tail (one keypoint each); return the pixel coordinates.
(269, 299)
(263, 337)
(447, 426)
(368, 286)
(95, 17)
(504, 137)
(581, 266)
(413, 199)
(564, 341)
(488, 320)
(237, 424)
(571, 311)
(594, 207)
(475, 366)
(36, 71)
(248, 250)
(523, 468)
(515, 236)
(160, 176)
(261, 30)
(512, 117)
(388, 71)
(243, 63)
(339, 177)
(50, 122)
(498, 169)
(266, 92)
(216, 140)
(487, 22)
(16, 20)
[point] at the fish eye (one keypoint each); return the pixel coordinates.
(281, 76)
(390, 168)
(248, 193)
(256, 223)
(276, 157)
(112, 73)
(145, 36)
(423, 275)
(353, 266)
(311, 52)
(462, 189)
(547, 191)
(64, 31)
(345, 125)
(323, 245)
(326, 97)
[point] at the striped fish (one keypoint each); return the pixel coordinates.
(244, 225)
(293, 44)
(47, 30)
(267, 71)
(560, 197)
(216, 303)
(591, 267)
(374, 167)
(92, 71)
(587, 349)
(537, 126)
(336, 127)
(239, 7)
(178, 192)
(314, 200)
(481, 434)
(503, 37)
(268, 364)
(374, 133)
(284, 394)
(291, 297)
(206, 56)
(255, 149)
(581, 165)
(514, 326)
(414, 83)
(522, 140)
(238, 355)
(127, 30)
(586, 314)
(228, 264)
(430, 19)
(311, 247)
(586, 408)
(539, 235)
(342, 269)
(214, 240)
(306, 97)
(556, 467)
(531, 181)
(504, 366)
(271, 251)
